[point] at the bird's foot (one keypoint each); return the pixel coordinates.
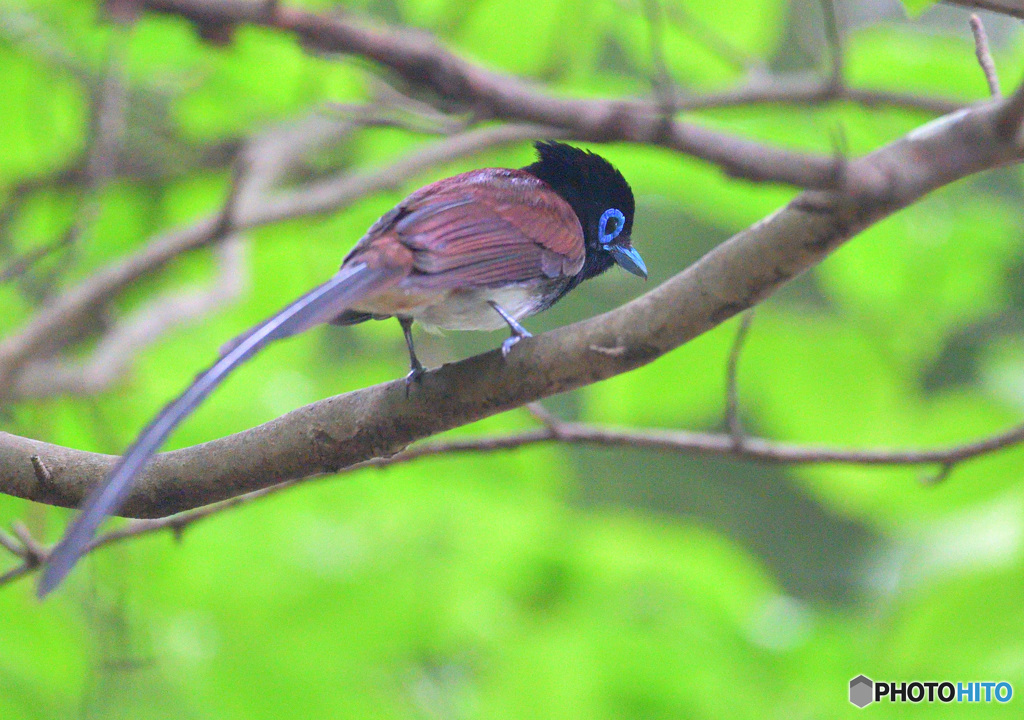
(518, 331)
(416, 373)
(506, 347)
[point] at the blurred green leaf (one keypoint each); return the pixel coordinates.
(916, 7)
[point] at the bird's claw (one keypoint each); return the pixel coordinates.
(506, 347)
(415, 375)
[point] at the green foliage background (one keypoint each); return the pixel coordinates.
(553, 582)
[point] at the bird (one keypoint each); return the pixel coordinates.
(476, 251)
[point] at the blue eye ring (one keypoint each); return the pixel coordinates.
(604, 237)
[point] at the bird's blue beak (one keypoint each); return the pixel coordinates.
(629, 259)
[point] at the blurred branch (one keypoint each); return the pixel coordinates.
(376, 116)
(118, 348)
(17, 195)
(26, 261)
(834, 41)
(268, 158)
(419, 116)
(764, 89)
(101, 160)
(812, 90)
(338, 192)
(661, 79)
(554, 430)
(109, 116)
(21, 27)
(984, 55)
(115, 351)
(732, 395)
(425, 64)
(711, 38)
(381, 421)
(1003, 7)
(1011, 115)
(12, 545)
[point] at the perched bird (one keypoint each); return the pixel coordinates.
(471, 252)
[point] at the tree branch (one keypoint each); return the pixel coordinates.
(381, 421)
(59, 318)
(834, 41)
(115, 351)
(1011, 115)
(984, 55)
(1014, 8)
(813, 90)
(733, 423)
(560, 431)
(419, 60)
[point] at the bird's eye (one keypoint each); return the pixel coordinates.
(610, 225)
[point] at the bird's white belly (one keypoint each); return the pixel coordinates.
(469, 309)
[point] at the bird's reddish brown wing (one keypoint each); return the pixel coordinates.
(483, 228)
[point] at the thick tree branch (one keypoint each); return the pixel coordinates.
(1011, 115)
(560, 431)
(380, 421)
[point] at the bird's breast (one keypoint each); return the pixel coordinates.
(470, 309)
(466, 308)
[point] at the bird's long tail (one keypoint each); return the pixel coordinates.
(352, 283)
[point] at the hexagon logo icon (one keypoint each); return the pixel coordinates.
(862, 691)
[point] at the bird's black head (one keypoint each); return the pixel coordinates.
(602, 200)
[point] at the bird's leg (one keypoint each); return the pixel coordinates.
(416, 369)
(518, 331)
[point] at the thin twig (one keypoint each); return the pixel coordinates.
(717, 43)
(108, 128)
(227, 218)
(34, 552)
(545, 417)
(835, 45)
(12, 545)
(733, 423)
(984, 55)
(16, 572)
(415, 113)
(382, 116)
(661, 79)
(810, 90)
(22, 264)
(943, 473)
